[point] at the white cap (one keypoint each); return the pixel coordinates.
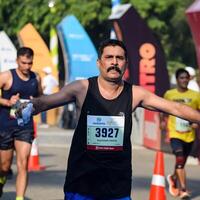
(47, 70)
(190, 70)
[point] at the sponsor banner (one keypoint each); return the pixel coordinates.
(147, 65)
(8, 53)
(79, 53)
(28, 36)
(151, 134)
(193, 17)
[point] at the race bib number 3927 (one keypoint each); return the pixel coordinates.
(105, 132)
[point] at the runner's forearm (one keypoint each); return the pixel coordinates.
(47, 102)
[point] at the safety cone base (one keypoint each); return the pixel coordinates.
(34, 161)
(36, 168)
(34, 164)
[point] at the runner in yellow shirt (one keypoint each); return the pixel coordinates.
(181, 132)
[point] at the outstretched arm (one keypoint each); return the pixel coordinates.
(70, 92)
(151, 101)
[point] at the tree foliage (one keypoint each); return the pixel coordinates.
(167, 19)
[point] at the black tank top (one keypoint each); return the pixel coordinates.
(25, 89)
(99, 162)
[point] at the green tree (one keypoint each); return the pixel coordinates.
(14, 14)
(167, 19)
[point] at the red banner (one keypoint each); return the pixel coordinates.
(193, 16)
(147, 65)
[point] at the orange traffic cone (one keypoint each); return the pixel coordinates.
(157, 191)
(34, 163)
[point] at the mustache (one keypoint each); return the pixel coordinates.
(115, 67)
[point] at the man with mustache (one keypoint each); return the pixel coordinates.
(99, 163)
(115, 67)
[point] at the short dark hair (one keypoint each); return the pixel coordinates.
(181, 71)
(25, 51)
(111, 42)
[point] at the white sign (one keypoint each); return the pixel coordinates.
(8, 53)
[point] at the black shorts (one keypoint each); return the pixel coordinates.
(185, 147)
(7, 138)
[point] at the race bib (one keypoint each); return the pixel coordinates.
(182, 125)
(105, 133)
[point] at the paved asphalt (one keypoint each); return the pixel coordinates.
(53, 146)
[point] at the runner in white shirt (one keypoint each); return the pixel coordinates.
(49, 82)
